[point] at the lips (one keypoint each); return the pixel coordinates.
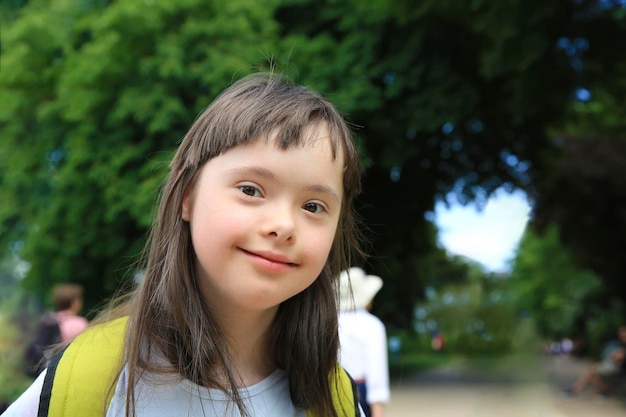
(271, 257)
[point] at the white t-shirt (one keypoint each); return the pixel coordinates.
(268, 398)
(28, 403)
(363, 352)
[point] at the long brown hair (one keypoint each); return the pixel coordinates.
(168, 314)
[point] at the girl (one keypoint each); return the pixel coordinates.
(236, 314)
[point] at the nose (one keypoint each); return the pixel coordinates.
(280, 223)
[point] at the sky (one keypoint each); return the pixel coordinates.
(489, 236)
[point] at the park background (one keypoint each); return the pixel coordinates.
(452, 102)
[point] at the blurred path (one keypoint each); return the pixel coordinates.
(456, 392)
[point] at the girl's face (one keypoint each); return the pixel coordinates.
(263, 221)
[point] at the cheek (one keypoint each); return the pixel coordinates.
(217, 227)
(210, 224)
(319, 248)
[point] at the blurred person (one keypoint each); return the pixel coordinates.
(57, 328)
(612, 363)
(68, 301)
(438, 342)
(567, 346)
(363, 340)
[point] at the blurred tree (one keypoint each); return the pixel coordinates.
(95, 97)
(15, 313)
(10, 8)
(451, 95)
(475, 315)
(584, 189)
(585, 194)
(551, 288)
(447, 95)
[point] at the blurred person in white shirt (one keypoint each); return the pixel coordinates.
(363, 340)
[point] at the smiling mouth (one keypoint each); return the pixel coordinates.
(268, 259)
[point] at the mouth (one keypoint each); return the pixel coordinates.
(270, 257)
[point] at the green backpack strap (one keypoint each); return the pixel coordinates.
(79, 379)
(345, 395)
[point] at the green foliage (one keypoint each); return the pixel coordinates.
(413, 362)
(551, 287)
(583, 190)
(444, 92)
(94, 101)
(415, 355)
(97, 94)
(601, 326)
(475, 316)
(584, 195)
(601, 73)
(13, 380)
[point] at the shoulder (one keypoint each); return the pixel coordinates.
(372, 320)
(76, 319)
(103, 343)
(83, 374)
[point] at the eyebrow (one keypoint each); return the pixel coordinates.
(269, 175)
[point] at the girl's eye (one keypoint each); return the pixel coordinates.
(315, 208)
(250, 191)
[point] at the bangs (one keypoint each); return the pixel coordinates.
(257, 107)
(270, 107)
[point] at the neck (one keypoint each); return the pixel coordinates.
(249, 344)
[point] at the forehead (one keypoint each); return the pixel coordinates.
(315, 140)
(310, 135)
(309, 167)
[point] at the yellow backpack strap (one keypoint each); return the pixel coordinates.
(345, 395)
(79, 379)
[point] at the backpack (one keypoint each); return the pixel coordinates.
(76, 383)
(47, 334)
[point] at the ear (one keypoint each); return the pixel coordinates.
(186, 207)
